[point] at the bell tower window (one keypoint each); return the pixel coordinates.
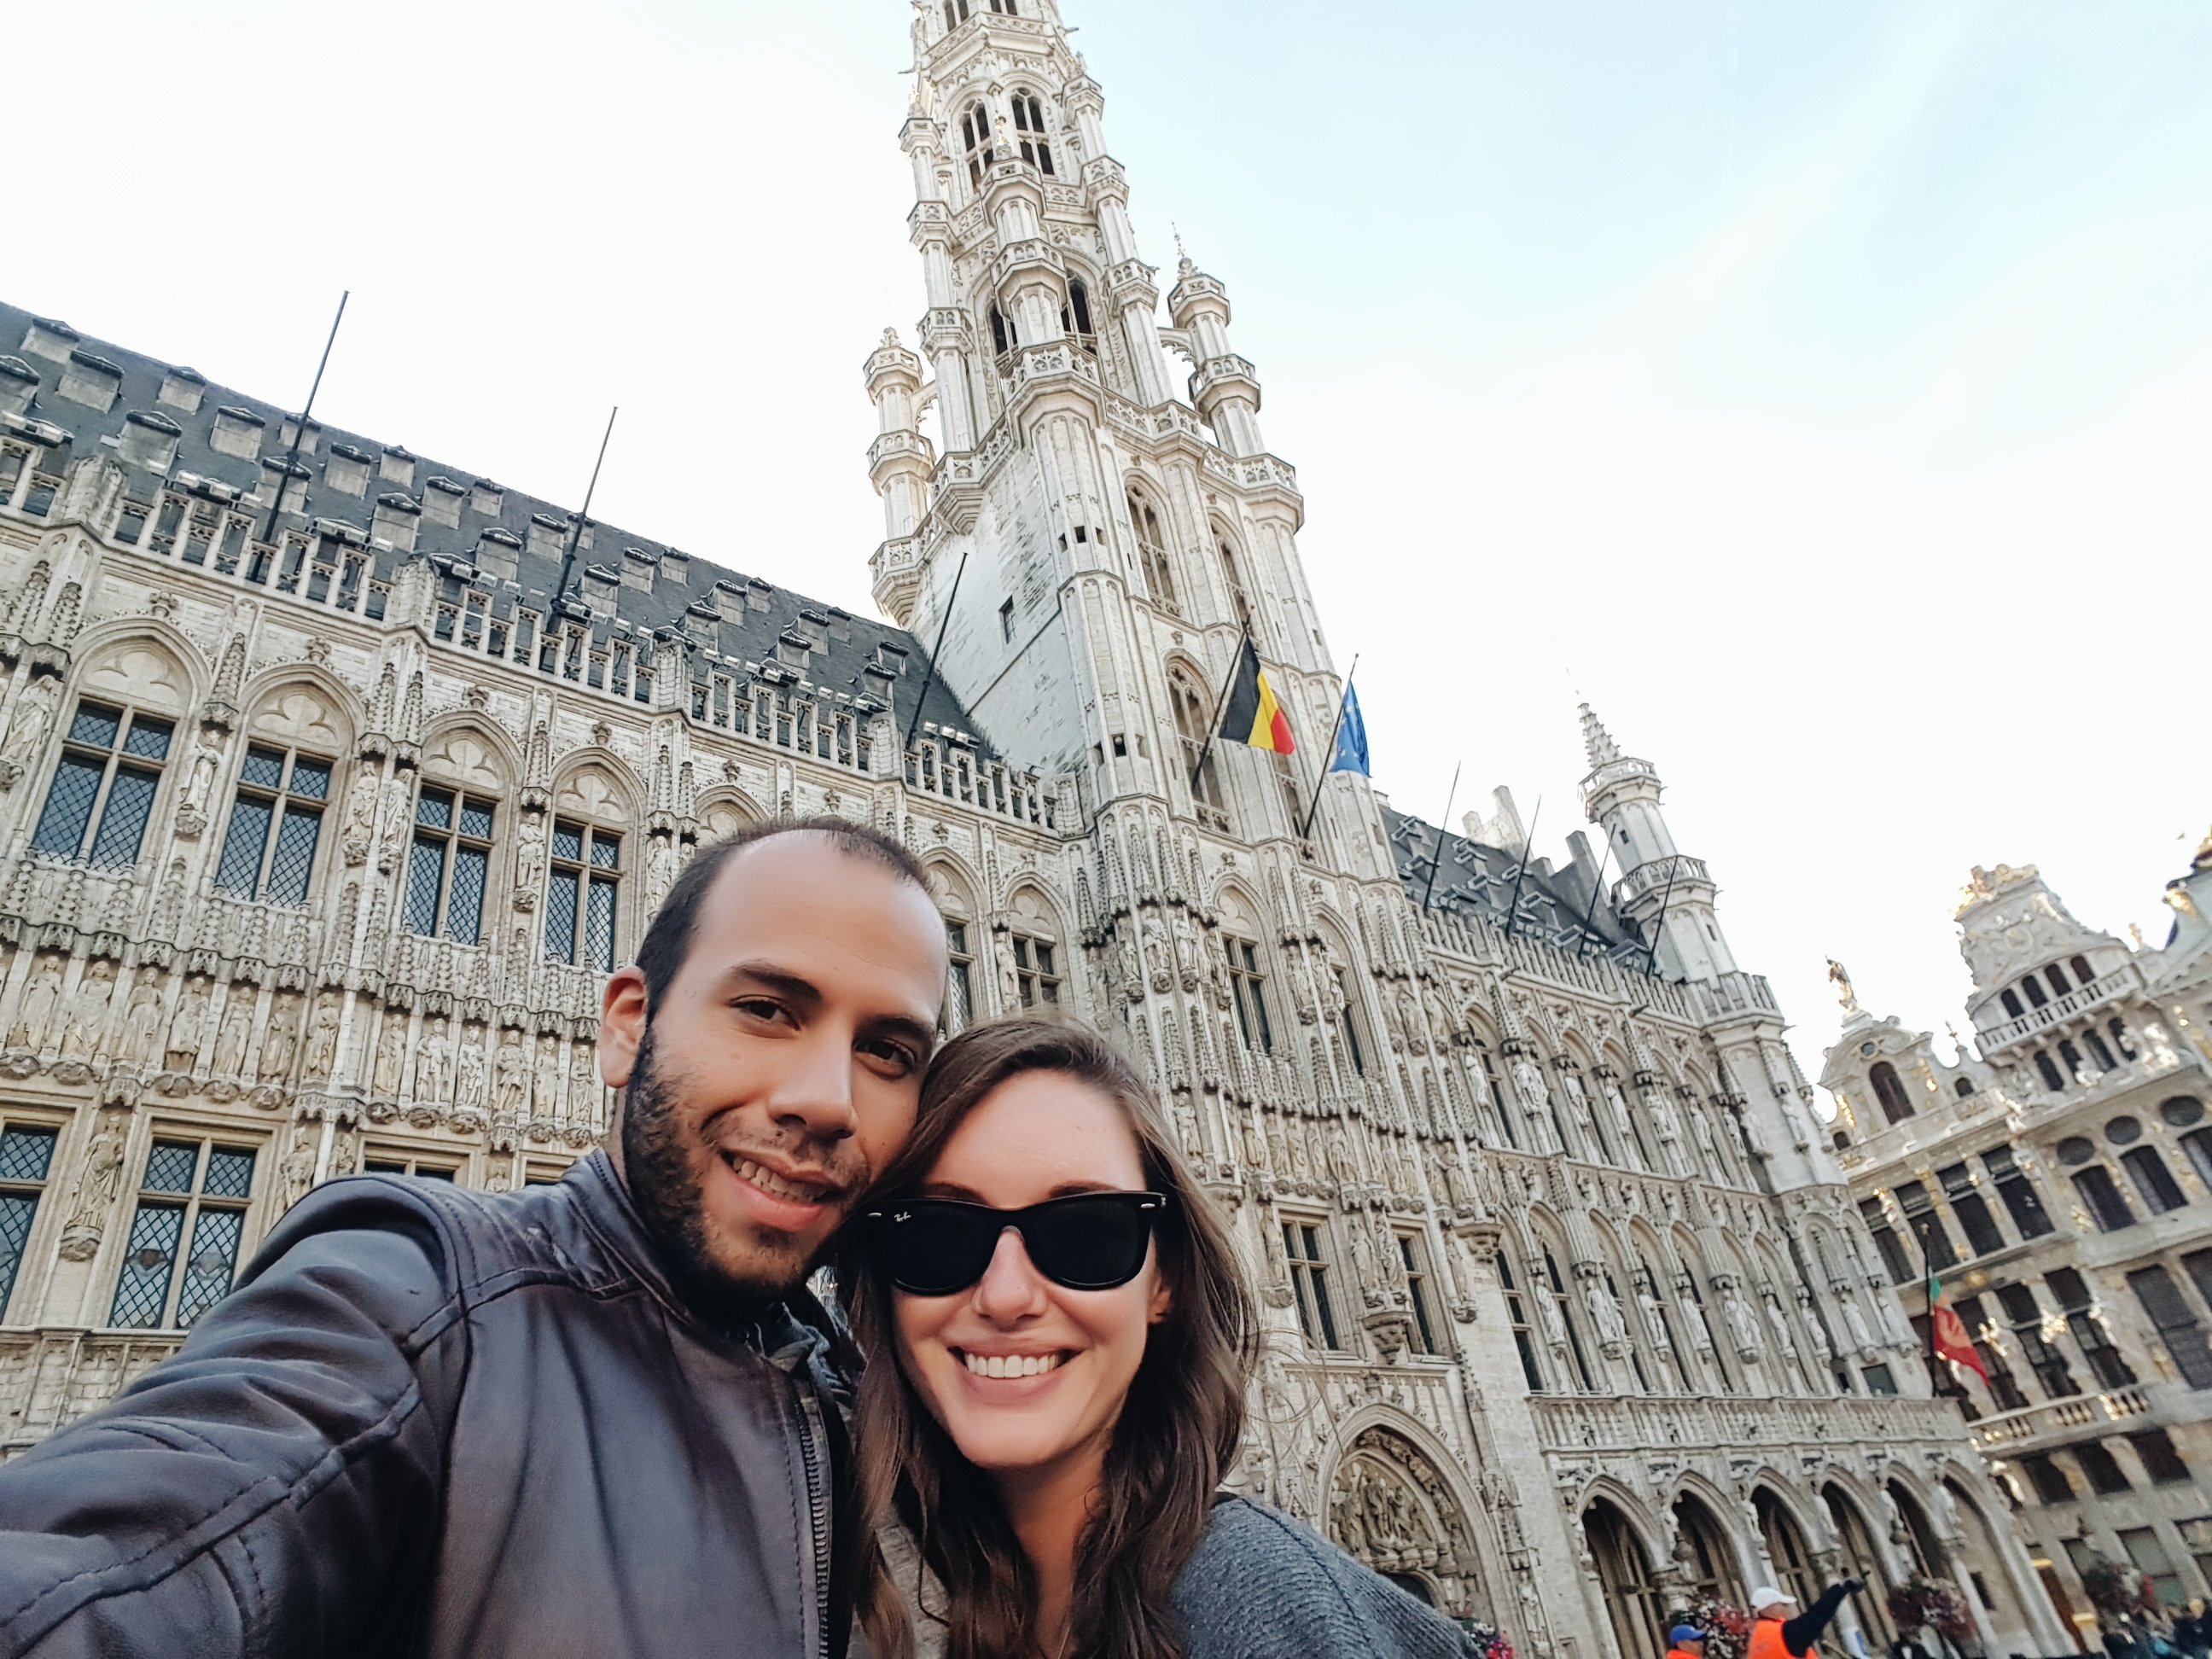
(1029, 122)
(976, 134)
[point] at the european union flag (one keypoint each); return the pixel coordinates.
(1351, 754)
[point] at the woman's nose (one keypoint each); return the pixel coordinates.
(1011, 1288)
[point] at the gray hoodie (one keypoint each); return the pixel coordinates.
(1261, 1586)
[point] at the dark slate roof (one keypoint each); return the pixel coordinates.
(681, 604)
(1476, 883)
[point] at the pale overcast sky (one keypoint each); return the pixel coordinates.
(1825, 392)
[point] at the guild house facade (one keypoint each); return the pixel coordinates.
(2058, 1172)
(334, 778)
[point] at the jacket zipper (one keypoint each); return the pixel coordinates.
(813, 1453)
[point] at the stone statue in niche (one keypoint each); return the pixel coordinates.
(1862, 1338)
(1783, 1343)
(469, 1070)
(391, 1046)
(583, 1079)
(1655, 1322)
(360, 833)
(1158, 954)
(1341, 1169)
(188, 1031)
(545, 1095)
(32, 720)
(141, 1020)
(88, 1011)
(1254, 1150)
(35, 1012)
(297, 1168)
(432, 1059)
(1279, 1154)
(345, 1153)
(323, 1036)
(236, 1032)
(510, 1076)
(1743, 1325)
(529, 860)
(1186, 950)
(1825, 1349)
(1605, 1314)
(280, 1046)
(1660, 1111)
(97, 1185)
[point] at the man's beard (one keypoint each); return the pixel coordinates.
(660, 1165)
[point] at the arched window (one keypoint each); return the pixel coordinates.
(1889, 1089)
(102, 794)
(581, 891)
(976, 135)
(2049, 1070)
(1711, 1565)
(2056, 976)
(1866, 1563)
(1192, 722)
(1964, 1087)
(2033, 987)
(449, 866)
(1080, 297)
(1232, 576)
(2011, 999)
(1785, 1547)
(1153, 554)
(1624, 1572)
(1028, 124)
(1036, 948)
(2099, 1052)
(276, 824)
(1002, 333)
(2083, 974)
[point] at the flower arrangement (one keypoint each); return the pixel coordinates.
(1728, 1629)
(2119, 1587)
(1938, 1606)
(1487, 1641)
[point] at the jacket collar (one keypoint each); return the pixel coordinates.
(793, 1334)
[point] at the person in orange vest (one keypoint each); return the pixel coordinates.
(1778, 1631)
(1685, 1642)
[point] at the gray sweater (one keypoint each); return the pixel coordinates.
(1261, 1586)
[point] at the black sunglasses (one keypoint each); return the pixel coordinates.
(939, 1246)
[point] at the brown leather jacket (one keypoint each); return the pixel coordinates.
(453, 1424)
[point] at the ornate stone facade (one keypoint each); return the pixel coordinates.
(333, 777)
(2058, 1171)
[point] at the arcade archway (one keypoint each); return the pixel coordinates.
(1624, 1571)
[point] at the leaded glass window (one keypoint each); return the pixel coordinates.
(186, 1236)
(1036, 971)
(102, 796)
(960, 985)
(1248, 987)
(582, 887)
(276, 824)
(27, 1154)
(449, 865)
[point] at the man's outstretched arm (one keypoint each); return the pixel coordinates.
(269, 1489)
(1799, 1634)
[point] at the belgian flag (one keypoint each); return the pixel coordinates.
(1253, 715)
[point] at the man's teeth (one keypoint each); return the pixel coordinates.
(768, 1181)
(1014, 1365)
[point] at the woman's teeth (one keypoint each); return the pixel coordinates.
(768, 1181)
(1014, 1365)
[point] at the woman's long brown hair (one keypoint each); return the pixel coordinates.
(1177, 1437)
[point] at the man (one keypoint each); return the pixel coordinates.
(598, 1418)
(2192, 1630)
(1779, 1628)
(1685, 1642)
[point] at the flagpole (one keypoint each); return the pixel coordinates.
(1928, 1290)
(1306, 828)
(1213, 720)
(1582, 944)
(1651, 950)
(1443, 835)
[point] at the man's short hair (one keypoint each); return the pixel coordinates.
(667, 943)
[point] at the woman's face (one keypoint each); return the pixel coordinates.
(1041, 1135)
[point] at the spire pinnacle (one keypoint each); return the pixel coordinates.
(1597, 741)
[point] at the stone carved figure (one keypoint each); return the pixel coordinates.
(323, 1037)
(361, 817)
(1783, 1342)
(188, 1031)
(102, 1177)
(1743, 1326)
(236, 1032)
(280, 1045)
(87, 1010)
(545, 1092)
(433, 1058)
(141, 1020)
(1604, 1309)
(529, 860)
(468, 1073)
(510, 1076)
(583, 1079)
(298, 1167)
(1660, 1110)
(35, 1012)
(1862, 1338)
(1655, 1322)
(32, 720)
(390, 1047)
(1547, 1311)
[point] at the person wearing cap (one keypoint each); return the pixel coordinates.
(1685, 1642)
(1778, 1631)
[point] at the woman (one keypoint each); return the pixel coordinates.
(1059, 1344)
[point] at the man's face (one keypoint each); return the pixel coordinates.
(784, 1065)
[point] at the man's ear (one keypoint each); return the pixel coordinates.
(622, 1026)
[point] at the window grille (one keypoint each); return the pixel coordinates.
(580, 894)
(185, 1236)
(26, 1156)
(449, 865)
(102, 796)
(276, 824)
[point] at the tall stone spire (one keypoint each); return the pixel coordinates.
(1597, 742)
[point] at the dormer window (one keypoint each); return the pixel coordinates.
(1028, 121)
(976, 134)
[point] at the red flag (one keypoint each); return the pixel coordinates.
(1953, 1343)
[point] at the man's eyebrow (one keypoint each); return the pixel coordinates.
(769, 976)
